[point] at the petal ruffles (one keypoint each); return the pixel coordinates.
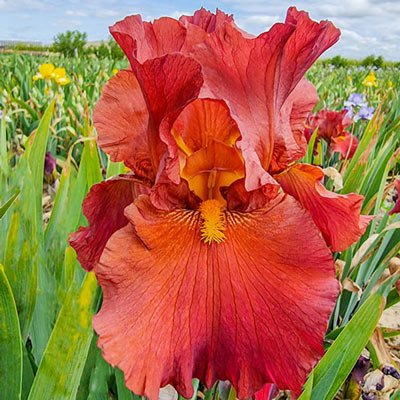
(104, 209)
(251, 310)
(121, 119)
(259, 75)
(337, 216)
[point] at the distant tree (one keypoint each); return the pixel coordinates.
(115, 51)
(70, 43)
(372, 61)
(339, 61)
(379, 62)
(102, 50)
(368, 61)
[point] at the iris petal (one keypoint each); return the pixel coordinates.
(337, 216)
(252, 309)
(104, 209)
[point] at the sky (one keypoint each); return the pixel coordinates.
(367, 26)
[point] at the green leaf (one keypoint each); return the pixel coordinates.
(339, 360)
(36, 154)
(307, 392)
(123, 392)
(114, 168)
(10, 343)
(308, 158)
(4, 167)
(64, 358)
(396, 395)
(8, 204)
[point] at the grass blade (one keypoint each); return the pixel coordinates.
(8, 204)
(10, 343)
(63, 361)
(337, 363)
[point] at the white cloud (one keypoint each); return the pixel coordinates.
(106, 13)
(15, 5)
(76, 13)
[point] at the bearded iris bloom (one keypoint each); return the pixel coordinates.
(330, 126)
(396, 198)
(366, 113)
(215, 252)
(357, 108)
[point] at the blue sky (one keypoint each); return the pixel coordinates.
(368, 26)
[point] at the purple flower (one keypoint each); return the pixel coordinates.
(365, 112)
(356, 99)
(49, 164)
(350, 111)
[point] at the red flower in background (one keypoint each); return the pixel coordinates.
(214, 253)
(331, 127)
(396, 207)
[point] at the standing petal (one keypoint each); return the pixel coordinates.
(205, 20)
(142, 41)
(251, 310)
(337, 216)
(168, 84)
(104, 208)
(202, 147)
(121, 119)
(133, 105)
(290, 142)
(255, 76)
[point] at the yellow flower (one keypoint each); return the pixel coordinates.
(60, 76)
(63, 81)
(115, 71)
(45, 71)
(370, 80)
(349, 78)
(390, 84)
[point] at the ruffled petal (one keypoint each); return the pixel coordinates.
(205, 20)
(337, 216)
(104, 209)
(251, 310)
(290, 143)
(142, 40)
(346, 144)
(121, 119)
(202, 147)
(168, 84)
(239, 199)
(204, 120)
(330, 123)
(258, 76)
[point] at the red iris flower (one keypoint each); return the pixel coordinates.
(331, 127)
(396, 207)
(215, 252)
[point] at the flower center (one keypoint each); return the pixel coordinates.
(213, 221)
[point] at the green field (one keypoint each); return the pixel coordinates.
(47, 300)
